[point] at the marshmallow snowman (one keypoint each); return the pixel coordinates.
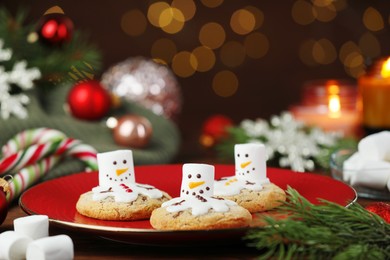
(197, 192)
(250, 162)
(197, 179)
(115, 168)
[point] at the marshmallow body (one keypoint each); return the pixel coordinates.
(34, 226)
(250, 162)
(13, 245)
(373, 174)
(198, 179)
(115, 168)
(51, 248)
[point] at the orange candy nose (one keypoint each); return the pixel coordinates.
(245, 164)
(121, 171)
(195, 184)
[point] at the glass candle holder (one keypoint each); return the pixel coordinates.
(374, 88)
(331, 105)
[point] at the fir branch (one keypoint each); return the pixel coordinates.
(325, 231)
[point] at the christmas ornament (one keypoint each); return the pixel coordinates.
(32, 153)
(3, 199)
(55, 28)
(147, 83)
(214, 129)
(382, 209)
(17, 80)
(89, 100)
(132, 131)
(290, 142)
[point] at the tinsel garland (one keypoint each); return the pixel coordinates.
(324, 231)
(290, 143)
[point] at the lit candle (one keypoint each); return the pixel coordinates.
(374, 88)
(331, 105)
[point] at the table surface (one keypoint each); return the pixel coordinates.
(88, 246)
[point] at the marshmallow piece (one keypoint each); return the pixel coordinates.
(35, 226)
(13, 245)
(352, 165)
(51, 248)
(116, 167)
(198, 179)
(250, 162)
(373, 174)
(376, 146)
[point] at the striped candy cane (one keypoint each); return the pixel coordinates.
(32, 153)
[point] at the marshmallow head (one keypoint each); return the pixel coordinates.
(115, 168)
(198, 179)
(250, 161)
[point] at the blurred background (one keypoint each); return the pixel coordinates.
(242, 59)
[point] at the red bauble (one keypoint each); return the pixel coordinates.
(55, 29)
(89, 100)
(382, 209)
(3, 199)
(214, 129)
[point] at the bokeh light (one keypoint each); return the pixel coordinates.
(212, 35)
(370, 45)
(324, 52)
(325, 13)
(258, 14)
(212, 3)
(232, 54)
(256, 45)
(154, 12)
(171, 20)
(187, 7)
(163, 49)
(346, 49)
(133, 22)
(372, 19)
(205, 58)
(225, 83)
(242, 22)
(184, 64)
(302, 12)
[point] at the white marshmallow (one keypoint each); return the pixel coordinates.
(373, 174)
(376, 146)
(51, 248)
(35, 226)
(198, 179)
(250, 161)
(116, 167)
(352, 165)
(13, 245)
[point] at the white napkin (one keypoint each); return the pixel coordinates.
(370, 165)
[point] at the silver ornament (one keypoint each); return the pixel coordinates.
(147, 83)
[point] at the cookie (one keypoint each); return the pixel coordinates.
(235, 217)
(271, 196)
(108, 209)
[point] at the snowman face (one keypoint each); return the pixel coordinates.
(115, 168)
(198, 180)
(250, 161)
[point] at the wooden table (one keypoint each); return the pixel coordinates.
(89, 246)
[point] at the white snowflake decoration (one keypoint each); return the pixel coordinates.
(287, 137)
(21, 76)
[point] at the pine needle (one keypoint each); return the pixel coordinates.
(325, 231)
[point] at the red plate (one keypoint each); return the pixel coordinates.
(57, 199)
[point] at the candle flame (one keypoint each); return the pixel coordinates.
(385, 71)
(334, 106)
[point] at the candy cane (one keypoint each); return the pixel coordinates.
(30, 137)
(43, 149)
